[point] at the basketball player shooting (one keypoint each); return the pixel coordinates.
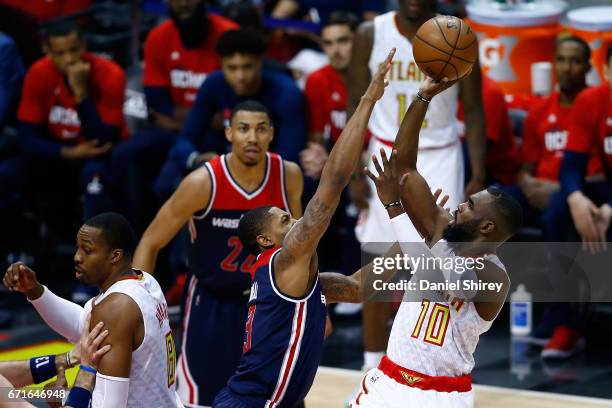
(430, 353)
(286, 319)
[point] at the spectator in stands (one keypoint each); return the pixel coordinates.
(11, 78)
(241, 78)
(502, 161)
(544, 140)
(365, 9)
(549, 130)
(590, 133)
(44, 10)
(178, 56)
(70, 116)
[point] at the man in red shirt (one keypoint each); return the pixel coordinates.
(178, 56)
(590, 134)
(70, 116)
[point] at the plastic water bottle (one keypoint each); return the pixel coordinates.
(520, 312)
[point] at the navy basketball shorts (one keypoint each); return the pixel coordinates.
(213, 336)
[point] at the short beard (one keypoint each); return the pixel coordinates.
(194, 30)
(461, 235)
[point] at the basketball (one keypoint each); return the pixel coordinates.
(445, 46)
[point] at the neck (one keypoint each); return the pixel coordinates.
(116, 276)
(408, 28)
(566, 98)
(247, 176)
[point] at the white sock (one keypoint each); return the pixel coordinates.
(371, 359)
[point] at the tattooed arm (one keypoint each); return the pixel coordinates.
(293, 267)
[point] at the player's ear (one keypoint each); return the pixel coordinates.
(117, 255)
(487, 227)
(228, 134)
(264, 241)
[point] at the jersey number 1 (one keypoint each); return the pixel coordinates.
(246, 346)
(437, 325)
(402, 100)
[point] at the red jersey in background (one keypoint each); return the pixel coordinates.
(43, 10)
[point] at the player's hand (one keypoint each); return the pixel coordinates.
(78, 75)
(584, 213)
(313, 159)
(20, 278)
(441, 202)
(59, 384)
(89, 343)
(85, 150)
(376, 89)
(430, 87)
(387, 186)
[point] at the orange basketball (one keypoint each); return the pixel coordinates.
(445, 46)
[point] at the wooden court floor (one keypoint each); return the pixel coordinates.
(333, 386)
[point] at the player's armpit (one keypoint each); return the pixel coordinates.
(192, 195)
(420, 205)
(489, 303)
(123, 320)
(295, 186)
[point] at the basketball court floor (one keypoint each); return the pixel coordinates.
(507, 374)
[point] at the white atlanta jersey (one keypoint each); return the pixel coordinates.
(152, 373)
(440, 127)
(437, 338)
(440, 158)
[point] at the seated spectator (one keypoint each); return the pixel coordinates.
(44, 10)
(579, 168)
(502, 159)
(544, 140)
(241, 78)
(178, 55)
(69, 118)
(11, 78)
(365, 9)
(590, 132)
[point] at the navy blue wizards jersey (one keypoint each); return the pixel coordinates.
(283, 342)
(216, 256)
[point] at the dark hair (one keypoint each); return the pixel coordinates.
(251, 105)
(244, 13)
(508, 211)
(572, 38)
(251, 225)
(241, 41)
(116, 231)
(61, 28)
(609, 55)
(342, 18)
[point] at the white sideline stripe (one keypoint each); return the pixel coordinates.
(478, 387)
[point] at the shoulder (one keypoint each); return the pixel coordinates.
(539, 108)
(160, 33)
(293, 172)
(221, 24)
(215, 79)
(114, 304)
(321, 75)
(592, 95)
(105, 69)
(279, 88)
(43, 66)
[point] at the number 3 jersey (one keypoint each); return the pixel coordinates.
(440, 127)
(216, 256)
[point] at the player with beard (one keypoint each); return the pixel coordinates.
(178, 56)
(430, 353)
(441, 156)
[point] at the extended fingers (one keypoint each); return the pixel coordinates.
(99, 339)
(95, 331)
(370, 175)
(377, 165)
